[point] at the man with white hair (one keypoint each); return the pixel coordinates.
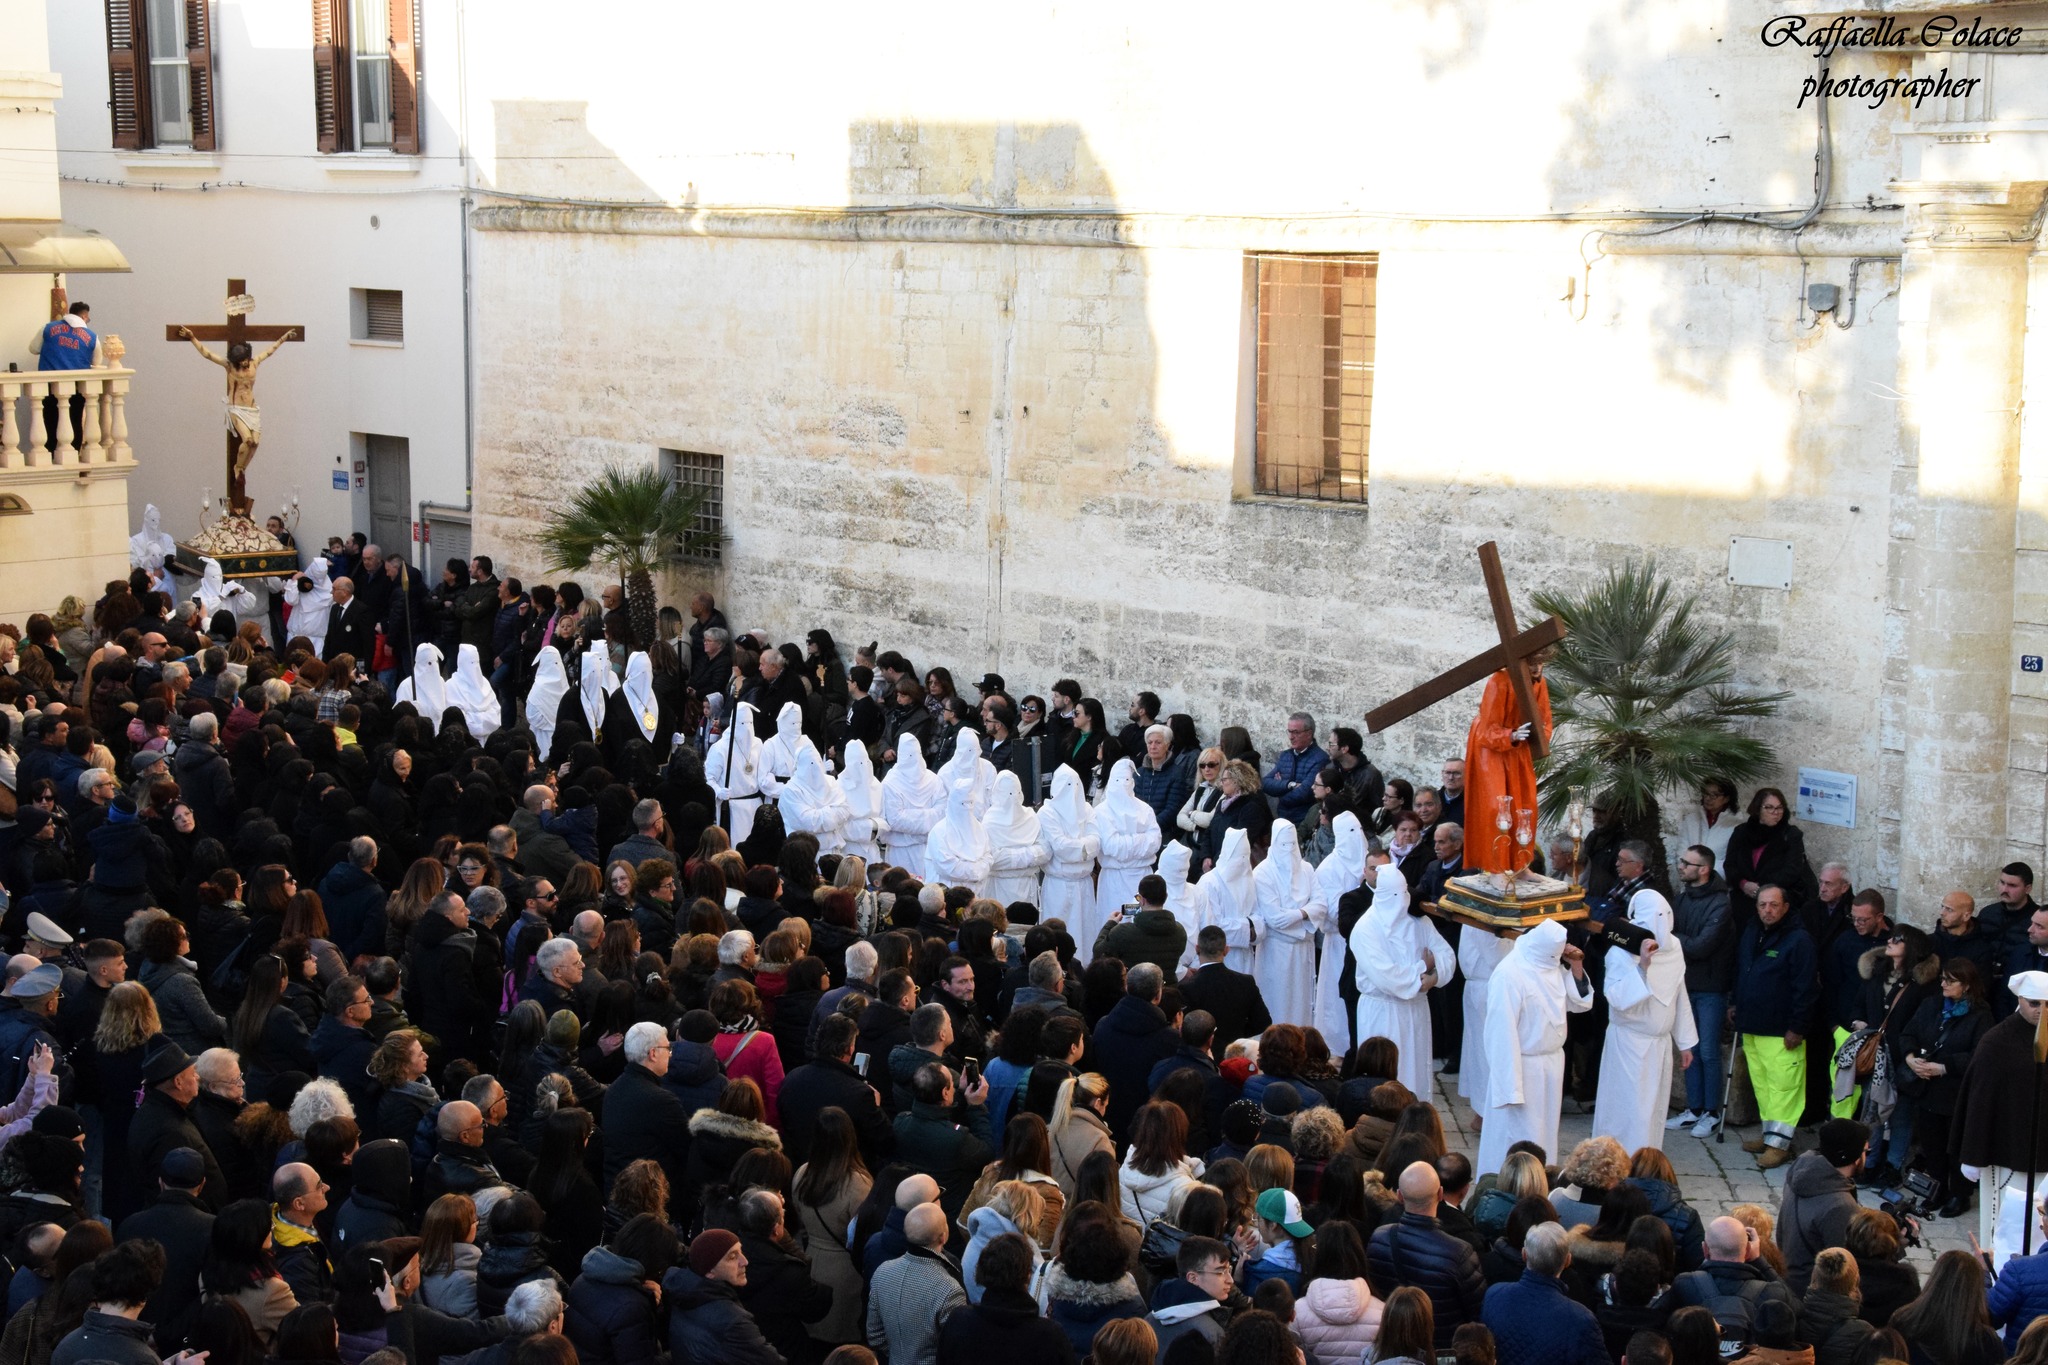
(587, 932)
(204, 782)
(911, 1293)
(460, 1165)
(862, 962)
(645, 842)
(643, 1117)
(535, 1308)
(1533, 1320)
(557, 972)
(736, 957)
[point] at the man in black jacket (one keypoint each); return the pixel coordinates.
(351, 627)
(341, 1045)
(830, 1079)
(444, 958)
(181, 1221)
(460, 1164)
(884, 1027)
(1704, 928)
(1130, 1040)
(162, 1123)
(1231, 996)
(642, 1117)
(1415, 1250)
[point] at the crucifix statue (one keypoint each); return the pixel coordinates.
(244, 421)
(1512, 729)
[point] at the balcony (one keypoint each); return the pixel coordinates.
(103, 425)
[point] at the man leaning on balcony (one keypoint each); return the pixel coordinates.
(66, 344)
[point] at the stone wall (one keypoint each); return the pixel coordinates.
(1026, 457)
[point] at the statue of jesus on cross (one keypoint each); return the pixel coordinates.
(244, 420)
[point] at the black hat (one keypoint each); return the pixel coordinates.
(59, 1121)
(1280, 1100)
(164, 1060)
(991, 682)
(1241, 1122)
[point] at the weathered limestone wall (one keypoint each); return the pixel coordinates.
(1022, 457)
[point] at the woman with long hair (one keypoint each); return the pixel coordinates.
(1336, 1315)
(1407, 1332)
(1158, 1170)
(582, 889)
(830, 1189)
(267, 1032)
(1950, 1324)
(111, 1073)
(401, 1095)
(1096, 1182)
(449, 1256)
(1026, 1156)
(425, 879)
(562, 1183)
(238, 1267)
(305, 917)
(301, 975)
(744, 1048)
(1090, 1282)
(1079, 1126)
(720, 1136)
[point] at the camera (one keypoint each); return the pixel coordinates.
(1918, 1194)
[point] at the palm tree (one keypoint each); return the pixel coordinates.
(633, 521)
(1644, 699)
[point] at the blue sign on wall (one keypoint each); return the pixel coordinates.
(341, 480)
(2030, 663)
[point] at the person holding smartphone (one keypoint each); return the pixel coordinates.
(948, 1141)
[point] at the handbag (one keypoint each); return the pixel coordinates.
(1159, 1252)
(1866, 1055)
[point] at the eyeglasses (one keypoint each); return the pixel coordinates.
(1211, 767)
(550, 896)
(1692, 865)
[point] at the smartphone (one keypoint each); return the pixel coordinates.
(970, 1074)
(860, 1062)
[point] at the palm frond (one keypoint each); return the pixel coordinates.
(1644, 698)
(631, 520)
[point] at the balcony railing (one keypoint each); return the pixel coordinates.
(103, 422)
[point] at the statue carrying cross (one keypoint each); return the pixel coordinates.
(244, 420)
(1512, 729)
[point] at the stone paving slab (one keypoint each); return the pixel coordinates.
(1713, 1176)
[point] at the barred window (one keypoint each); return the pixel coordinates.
(702, 474)
(1315, 364)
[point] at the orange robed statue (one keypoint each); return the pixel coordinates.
(1497, 762)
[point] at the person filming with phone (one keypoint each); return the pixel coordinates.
(945, 1133)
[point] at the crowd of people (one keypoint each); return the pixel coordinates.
(477, 982)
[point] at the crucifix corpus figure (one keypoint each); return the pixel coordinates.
(244, 420)
(1511, 731)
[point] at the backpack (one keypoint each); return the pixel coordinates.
(231, 978)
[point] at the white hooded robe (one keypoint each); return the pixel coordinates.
(1229, 898)
(1337, 876)
(1526, 1006)
(1016, 847)
(779, 750)
(1067, 823)
(426, 689)
(1479, 956)
(913, 799)
(544, 697)
(1648, 1016)
(863, 795)
(312, 608)
(1389, 944)
(597, 682)
(471, 690)
(967, 765)
(811, 802)
(1288, 905)
(1129, 830)
(956, 851)
(730, 767)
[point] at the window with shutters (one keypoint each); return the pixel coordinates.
(366, 75)
(1315, 369)
(701, 474)
(160, 74)
(377, 315)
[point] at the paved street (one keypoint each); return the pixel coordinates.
(1714, 1176)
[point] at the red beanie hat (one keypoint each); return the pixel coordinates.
(709, 1249)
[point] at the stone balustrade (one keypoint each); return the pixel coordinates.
(103, 425)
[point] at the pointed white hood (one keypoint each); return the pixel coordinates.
(640, 695)
(1009, 822)
(544, 696)
(597, 681)
(471, 691)
(857, 784)
(426, 689)
(911, 780)
(1120, 810)
(1232, 875)
(1649, 910)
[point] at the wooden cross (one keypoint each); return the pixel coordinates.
(1512, 654)
(237, 330)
